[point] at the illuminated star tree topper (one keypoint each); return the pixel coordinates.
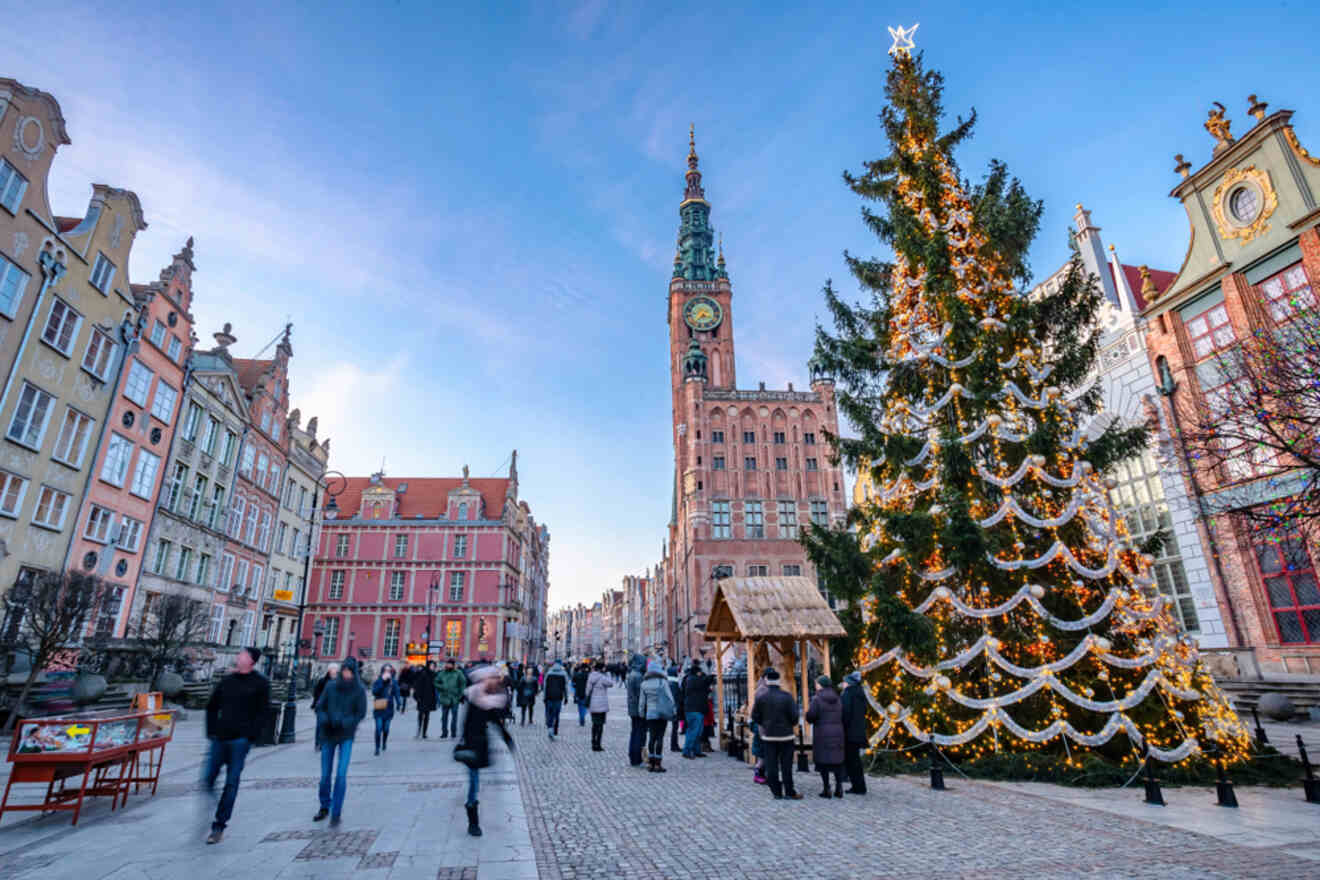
(903, 44)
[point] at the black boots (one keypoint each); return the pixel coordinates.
(653, 766)
(378, 742)
(384, 740)
(474, 827)
(838, 787)
(825, 792)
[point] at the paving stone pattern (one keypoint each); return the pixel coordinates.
(337, 845)
(593, 817)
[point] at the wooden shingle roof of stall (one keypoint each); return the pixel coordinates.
(770, 607)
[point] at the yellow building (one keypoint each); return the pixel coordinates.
(67, 316)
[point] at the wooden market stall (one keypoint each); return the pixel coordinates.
(772, 614)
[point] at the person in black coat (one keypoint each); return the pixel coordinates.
(487, 700)
(424, 696)
(580, 676)
(233, 725)
(776, 714)
(854, 732)
(405, 686)
(696, 700)
(528, 687)
(331, 673)
(341, 709)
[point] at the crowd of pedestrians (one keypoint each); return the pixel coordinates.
(658, 698)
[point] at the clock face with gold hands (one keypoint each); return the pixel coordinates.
(702, 313)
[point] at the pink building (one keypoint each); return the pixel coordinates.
(111, 530)
(404, 562)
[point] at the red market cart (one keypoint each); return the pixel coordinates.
(92, 754)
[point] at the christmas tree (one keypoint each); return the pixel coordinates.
(990, 516)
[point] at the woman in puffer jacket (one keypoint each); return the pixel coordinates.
(656, 705)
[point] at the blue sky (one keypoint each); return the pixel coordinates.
(469, 216)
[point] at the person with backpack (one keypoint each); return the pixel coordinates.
(342, 707)
(556, 689)
(527, 691)
(598, 700)
(656, 705)
(487, 699)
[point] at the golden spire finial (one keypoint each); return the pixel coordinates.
(721, 248)
(692, 146)
(1148, 290)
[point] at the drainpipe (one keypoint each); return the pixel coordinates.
(1166, 386)
(51, 270)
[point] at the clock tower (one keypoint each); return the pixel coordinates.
(751, 467)
(699, 292)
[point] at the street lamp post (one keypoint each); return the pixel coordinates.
(325, 481)
(432, 606)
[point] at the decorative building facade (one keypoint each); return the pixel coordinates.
(751, 467)
(294, 532)
(1151, 494)
(418, 560)
(130, 467)
(67, 318)
(186, 540)
(1253, 259)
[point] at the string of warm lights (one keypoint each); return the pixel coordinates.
(1079, 651)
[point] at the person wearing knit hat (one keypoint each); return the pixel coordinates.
(826, 715)
(342, 707)
(776, 714)
(854, 731)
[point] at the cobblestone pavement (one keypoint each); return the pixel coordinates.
(403, 818)
(593, 816)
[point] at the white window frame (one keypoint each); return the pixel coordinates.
(753, 518)
(13, 489)
(788, 524)
(13, 284)
(118, 457)
(217, 624)
(255, 579)
(69, 434)
(158, 332)
(212, 432)
(55, 501)
(460, 546)
(721, 520)
(34, 404)
(162, 404)
(161, 564)
(99, 354)
(246, 460)
(175, 348)
(183, 568)
(100, 522)
(240, 576)
(103, 273)
(390, 644)
(457, 583)
(13, 184)
(400, 546)
(144, 483)
(337, 578)
(130, 533)
(237, 507)
(281, 532)
(191, 421)
(138, 384)
(203, 569)
(820, 513)
(263, 532)
(397, 585)
(226, 572)
(330, 641)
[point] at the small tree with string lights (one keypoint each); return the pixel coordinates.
(991, 516)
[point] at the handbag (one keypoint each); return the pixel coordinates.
(464, 755)
(380, 704)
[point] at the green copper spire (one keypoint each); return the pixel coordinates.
(696, 240)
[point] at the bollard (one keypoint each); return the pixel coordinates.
(1224, 788)
(1261, 739)
(1153, 794)
(936, 771)
(1310, 785)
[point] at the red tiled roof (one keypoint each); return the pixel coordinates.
(64, 224)
(1132, 275)
(250, 370)
(426, 496)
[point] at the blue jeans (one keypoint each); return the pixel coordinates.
(382, 729)
(692, 733)
(582, 714)
(335, 804)
(474, 783)
(552, 716)
(449, 720)
(231, 753)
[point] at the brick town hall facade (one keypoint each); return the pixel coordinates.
(751, 468)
